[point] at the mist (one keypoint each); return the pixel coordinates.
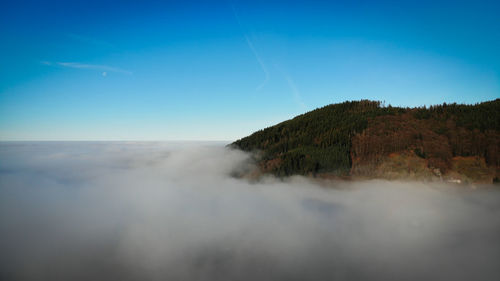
(174, 211)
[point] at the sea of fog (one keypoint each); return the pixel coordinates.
(173, 211)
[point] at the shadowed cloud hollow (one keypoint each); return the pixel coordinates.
(172, 211)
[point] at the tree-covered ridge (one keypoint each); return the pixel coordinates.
(318, 141)
(330, 138)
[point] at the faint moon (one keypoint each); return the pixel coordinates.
(104, 74)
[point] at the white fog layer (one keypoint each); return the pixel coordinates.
(172, 211)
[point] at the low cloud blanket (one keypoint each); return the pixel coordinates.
(175, 211)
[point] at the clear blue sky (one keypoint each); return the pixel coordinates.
(185, 70)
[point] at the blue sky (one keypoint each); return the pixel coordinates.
(192, 70)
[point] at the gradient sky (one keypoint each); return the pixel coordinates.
(186, 70)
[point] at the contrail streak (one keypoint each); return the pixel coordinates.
(295, 90)
(252, 48)
(89, 66)
(261, 63)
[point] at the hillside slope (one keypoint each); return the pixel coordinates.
(366, 139)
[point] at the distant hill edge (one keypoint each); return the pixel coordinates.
(366, 139)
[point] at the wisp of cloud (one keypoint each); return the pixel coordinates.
(174, 211)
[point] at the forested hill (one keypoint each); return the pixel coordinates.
(367, 139)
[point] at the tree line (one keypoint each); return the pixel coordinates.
(329, 138)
